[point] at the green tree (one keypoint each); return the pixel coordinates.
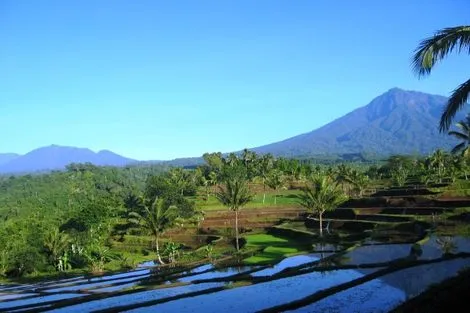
(156, 218)
(399, 176)
(276, 180)
(214, 161)
(437, 161)
(234, 192)
(249, 159)
(359, 180)
(321, 194)
(434, 49)
(56, 244)
(265, 165)
(342, 176)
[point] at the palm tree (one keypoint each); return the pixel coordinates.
(234, 192)
(265, 165)
(55, 244)
(435, 48)
(359, 181)
(463, 135)
(342, 174)
(437, 161)
(249, 159)
(320, 195)
(155, 218)
(275, 180)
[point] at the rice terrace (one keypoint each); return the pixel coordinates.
(389, 241)
(367, 212)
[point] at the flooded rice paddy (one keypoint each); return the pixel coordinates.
(366, 277)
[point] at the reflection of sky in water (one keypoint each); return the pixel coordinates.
(8, 288)
(259, 296)
(4, 297)
(102, 280)
(10, 304)
(285, 263)
(376, 254)
(95, 285)
(135, 298)
(224, 272)
(382, 295)
(121, 275)
(114, 288)
(432, 249)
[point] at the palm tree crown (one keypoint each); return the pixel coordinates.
(463, 134)
(155, 218)
(435, 48)
(320, 195)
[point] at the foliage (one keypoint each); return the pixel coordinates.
(463, 135)
(321, 195)
(234, 193)
(432, 50)
(155, 216)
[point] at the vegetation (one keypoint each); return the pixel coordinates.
(156, 218)
(432, 50)
(94, 219)
(234, 192)
(321, 195)
(463, 135)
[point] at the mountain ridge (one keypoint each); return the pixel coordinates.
(396, 122)
(55, 157)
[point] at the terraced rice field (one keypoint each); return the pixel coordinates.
(367, 278)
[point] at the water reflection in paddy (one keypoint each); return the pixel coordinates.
(135, 298)
(36, 300)
(259, 296)
(382, 295)
(376, 254)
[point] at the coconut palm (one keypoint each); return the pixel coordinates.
(435, 48)
(55, 244)
(155, 218)
(276, 180)
(437, 161)
(342, 174)
(359, 180)
(265, 165)
(234, 192)
(464, 135)
(321, 194)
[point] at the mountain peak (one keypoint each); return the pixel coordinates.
(396, 122)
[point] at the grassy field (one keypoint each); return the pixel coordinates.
(283, 198)
(275, 248)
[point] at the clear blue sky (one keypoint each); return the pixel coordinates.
(166, 79)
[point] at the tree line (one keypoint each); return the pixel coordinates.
(68, 219)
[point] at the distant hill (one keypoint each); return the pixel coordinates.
(396, 122)
(58, 157)
(7, 157)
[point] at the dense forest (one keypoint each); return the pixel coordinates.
(67, 221)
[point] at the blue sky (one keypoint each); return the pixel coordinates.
(167, 79)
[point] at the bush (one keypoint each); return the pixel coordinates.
(241, 242)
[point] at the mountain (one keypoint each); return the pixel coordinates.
(7, 157)
(396, 122)
(58, 157)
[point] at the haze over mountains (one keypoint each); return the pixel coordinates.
(396, 122)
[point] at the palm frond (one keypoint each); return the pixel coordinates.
(433, 49)
(459, 135)
(456, 101)
(458, 148)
